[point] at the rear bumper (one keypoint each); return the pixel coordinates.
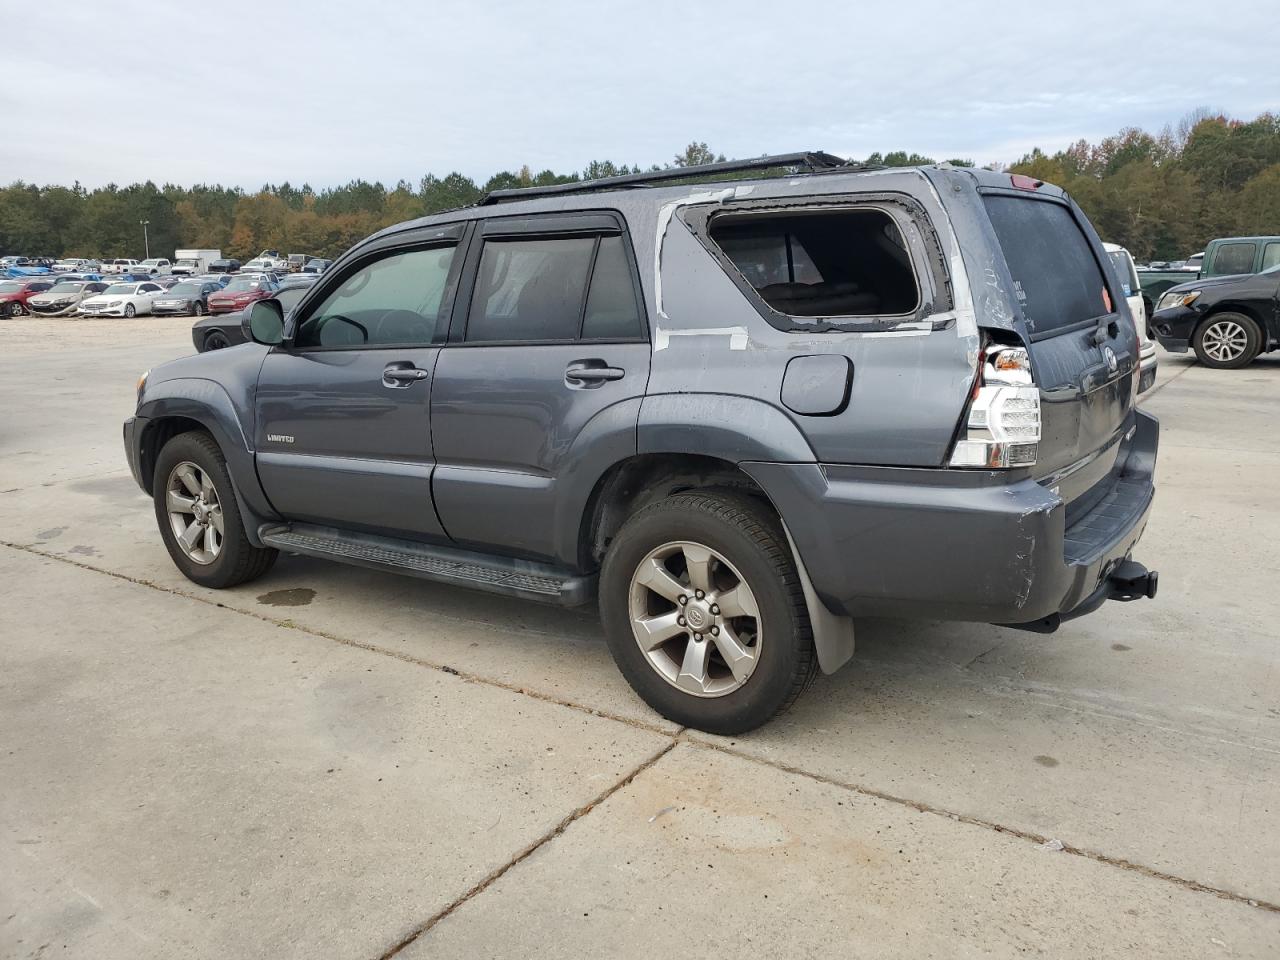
(953, 545)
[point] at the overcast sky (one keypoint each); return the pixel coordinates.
(323, 92)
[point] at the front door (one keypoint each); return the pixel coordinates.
(343, 432)
(544, 374)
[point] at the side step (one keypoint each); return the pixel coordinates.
(464, 568)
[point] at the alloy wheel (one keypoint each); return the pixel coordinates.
(195, 513)
(695, 619)
(1225, 340)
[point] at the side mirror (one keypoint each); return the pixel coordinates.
(264, 323)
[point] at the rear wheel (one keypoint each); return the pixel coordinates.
(704, 613)
(198, 516)
(1227, 340)
(216, 341)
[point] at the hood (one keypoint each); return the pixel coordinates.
(60, 298)
(1208, 283)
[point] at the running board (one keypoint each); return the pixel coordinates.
(464, 568)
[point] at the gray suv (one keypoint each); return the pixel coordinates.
(740, 413)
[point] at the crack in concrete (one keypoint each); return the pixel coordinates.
(676, 738)
(527, 852)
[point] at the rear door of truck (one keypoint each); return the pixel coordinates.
(1083, 340)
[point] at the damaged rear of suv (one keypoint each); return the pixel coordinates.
(740, 414)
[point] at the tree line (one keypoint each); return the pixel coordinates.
(1161, 195)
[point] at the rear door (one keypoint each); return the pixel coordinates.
(548, 354)
(343, 434)
(1084, 344)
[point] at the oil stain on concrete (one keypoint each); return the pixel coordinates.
(1045, 761)
(296, 597)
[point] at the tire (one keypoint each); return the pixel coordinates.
(226, 559)
(197, 309)
(217, 340)
(129, 311)
(747, 547)
(14, 310)
(1227, 340)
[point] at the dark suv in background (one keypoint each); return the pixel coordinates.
(738, 413)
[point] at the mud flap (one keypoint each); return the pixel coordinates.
(832, 635)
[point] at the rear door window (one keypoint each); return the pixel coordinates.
(1056, 278)
(530, 290)
(1234, 258)
(1271, 255)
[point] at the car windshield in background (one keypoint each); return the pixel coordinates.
(11, 286)
(63, 289)
(185, 289)
(242, 286)
(1056, 279)
(122, 289)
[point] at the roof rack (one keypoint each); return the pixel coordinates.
(814, 160)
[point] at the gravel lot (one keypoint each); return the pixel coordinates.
(332, 762)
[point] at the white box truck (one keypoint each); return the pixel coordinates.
(191, 262)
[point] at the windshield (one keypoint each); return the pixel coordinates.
(243, 285)
(121, 289)
(63, 289)
(11, 286)
(185, 289)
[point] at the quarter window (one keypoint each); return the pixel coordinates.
(393, 300)
(822, 263)
(1270, 255)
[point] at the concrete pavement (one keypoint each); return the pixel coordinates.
(159, 737)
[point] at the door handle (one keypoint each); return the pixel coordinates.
(592, 372)
(402, 375)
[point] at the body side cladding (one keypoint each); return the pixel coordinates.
(724, 426)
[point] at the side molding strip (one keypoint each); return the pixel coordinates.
(832, 635)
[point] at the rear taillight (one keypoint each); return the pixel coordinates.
(1002, 426)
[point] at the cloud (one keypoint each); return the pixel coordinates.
(244, 94)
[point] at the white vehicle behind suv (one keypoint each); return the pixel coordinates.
(1122, 261)
(119, 265)
(156, 266)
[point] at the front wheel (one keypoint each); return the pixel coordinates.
(704, 613)
(129, 311)
(198, 515)
(14, 310)
(216, 341)
(1227, 341)
(198, 309)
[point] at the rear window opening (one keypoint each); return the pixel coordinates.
(1056, 278)
(822, 263)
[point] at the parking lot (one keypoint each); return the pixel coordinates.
(333, 762)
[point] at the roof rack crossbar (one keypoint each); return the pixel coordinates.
(813, 160)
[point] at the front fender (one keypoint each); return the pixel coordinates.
(209, 404)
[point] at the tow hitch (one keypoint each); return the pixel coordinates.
(1128, 580)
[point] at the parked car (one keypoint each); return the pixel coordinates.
(1232, 256)
(305, 280)
(14, 295)
(221, 279)
(64, 297)
(1127, 274)
(1227, 321)
(224, 266)
(227, 329)
(156, 266)
(316, 265)
(169, 281)
(13, 261)
(791, 402)
(188, 297)
(260, 265)
(240, 292)
(119, 265)
(121, 300)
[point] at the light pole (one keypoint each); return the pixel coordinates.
(146, 242)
